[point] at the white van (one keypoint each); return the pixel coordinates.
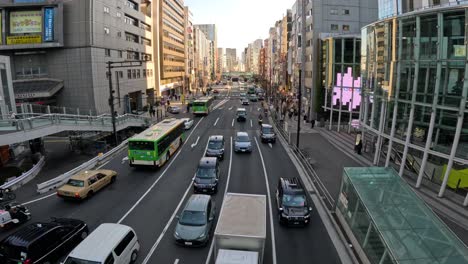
(108, 244)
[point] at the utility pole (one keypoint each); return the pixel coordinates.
(111, 101)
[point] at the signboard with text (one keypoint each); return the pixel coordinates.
(26, 22)
(48, 24)
(30, 39)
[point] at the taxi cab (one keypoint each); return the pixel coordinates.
(84, 184)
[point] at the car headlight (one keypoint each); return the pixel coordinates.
(202, 236)
(176, 235)
(306, 216)
(284, 215)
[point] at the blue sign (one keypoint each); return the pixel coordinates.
(49, 24)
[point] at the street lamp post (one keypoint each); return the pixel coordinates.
(112, 65)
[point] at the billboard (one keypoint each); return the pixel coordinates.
(26, 22)
(29, 39)
(48, 24)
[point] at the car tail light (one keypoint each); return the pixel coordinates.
(58, 194)
(28, 261)
(77, 195)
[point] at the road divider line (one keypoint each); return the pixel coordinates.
(210, 252)
(272, 227)
(251, 124)
(158, 179)
(38, 199)
(216, 122)
(176, 261)
(232, 124)
(195, 143)
(270, 145)
(230, 108)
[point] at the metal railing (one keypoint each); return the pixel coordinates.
(322, 190)
(91, 164)
(25, 177)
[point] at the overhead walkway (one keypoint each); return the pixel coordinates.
(33, 125)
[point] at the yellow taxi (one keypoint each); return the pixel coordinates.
(84, 184)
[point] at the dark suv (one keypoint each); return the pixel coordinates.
(207, 176)
(267, 134)
(215, 147)
(293, 205)
(42, 242)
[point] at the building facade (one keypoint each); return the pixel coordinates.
(202, 66)
(415, 88)
(231, 60)
(7, 96)
(341, 81)
(170, 21)
(211, 33)
(61, 58)
(189, 52)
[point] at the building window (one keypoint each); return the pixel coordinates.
(131, 5)
(334, 27)
(119, 53)
(333, 11)
(118, 14)
(131, 37)
(345, 11)
(106, 10)
(345, 27)
(146, 41)
(107, 52)
(144, 73)
(129, 74)
(106, 30)
(134, 74)
(138, 74)
(119, 34)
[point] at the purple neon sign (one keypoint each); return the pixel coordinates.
(349, 96)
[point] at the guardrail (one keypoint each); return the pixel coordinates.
(25, 177)
(62, 179)
(323, 192)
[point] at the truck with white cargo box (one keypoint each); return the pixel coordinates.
(241, 229)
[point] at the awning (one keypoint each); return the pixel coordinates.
(36, 88)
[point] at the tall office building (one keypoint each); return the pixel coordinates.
(231, 59)
(60, 59)
(211, 33)
(170, 22)
(189, 51)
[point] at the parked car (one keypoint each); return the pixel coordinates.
(188, 123)
(267, 133)
(242, 142)
(42, 242)
(241, 114)
(215, 147)
(196, 221)
(293, 205)
(108, 243)
(85, 184)
(207, 176)
(173, 109)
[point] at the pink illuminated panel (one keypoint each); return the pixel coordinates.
(346, 81)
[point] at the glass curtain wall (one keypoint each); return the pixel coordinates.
(415, 88)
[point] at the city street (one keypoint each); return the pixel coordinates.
(149, 200)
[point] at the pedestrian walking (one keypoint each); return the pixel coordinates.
(151, 110)
(358, 144)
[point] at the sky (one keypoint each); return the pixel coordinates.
(239, 22)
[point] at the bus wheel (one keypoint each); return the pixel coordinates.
(168, 156)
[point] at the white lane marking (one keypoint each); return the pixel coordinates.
(168, 224)
(210, 252)
(159, 178)
(251, 125)
(232, 124)
(38, 199)
(221, 108)
(230, 108)
(125, 159)
(195, 143)
(269, 144)
(216, 122)
(272, 227)
(176, 261)
(258, 109)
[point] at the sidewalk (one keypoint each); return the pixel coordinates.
(331, 151)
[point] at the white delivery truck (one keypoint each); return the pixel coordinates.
(240, 234)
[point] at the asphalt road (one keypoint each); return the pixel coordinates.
(148, 200)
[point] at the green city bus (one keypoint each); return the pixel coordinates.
(202, 105)
(155, 145)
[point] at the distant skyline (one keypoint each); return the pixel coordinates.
(239, 22)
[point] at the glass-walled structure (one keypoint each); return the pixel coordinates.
(341, 80)
(415, 88)
(388, 223)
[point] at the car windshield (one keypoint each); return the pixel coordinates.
(294, 200)
(243, 139)
(206, 173)
(71, 260)
(75, 183)
(215, 144)
(267, 130)
(192, 218)
(241, 113)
